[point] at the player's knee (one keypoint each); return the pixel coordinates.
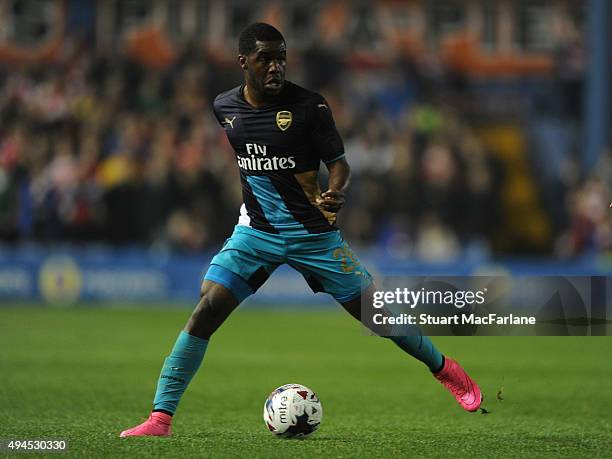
(205, 309)
(214, 304)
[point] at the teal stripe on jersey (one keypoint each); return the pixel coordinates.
(334, 159)
(274, 207)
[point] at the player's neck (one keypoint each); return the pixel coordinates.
(254, 98)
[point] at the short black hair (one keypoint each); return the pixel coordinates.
(259, 31)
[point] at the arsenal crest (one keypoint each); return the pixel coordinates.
(283, 120)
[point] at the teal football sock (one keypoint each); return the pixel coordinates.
(420, 347)
(179, 367)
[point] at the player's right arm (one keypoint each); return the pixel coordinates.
(216, 110)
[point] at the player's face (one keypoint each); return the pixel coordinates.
(266, 67)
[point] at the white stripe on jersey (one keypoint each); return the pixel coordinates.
(244, 219)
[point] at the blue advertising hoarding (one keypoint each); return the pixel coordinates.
(101, 274)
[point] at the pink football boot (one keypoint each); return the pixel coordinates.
(158, 425)
(457, 382)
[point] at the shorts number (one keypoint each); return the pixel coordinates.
(345, 254)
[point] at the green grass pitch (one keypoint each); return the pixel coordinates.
(85, 374)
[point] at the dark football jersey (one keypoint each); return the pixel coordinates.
(279, 149)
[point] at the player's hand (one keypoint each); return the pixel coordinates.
(331, 201)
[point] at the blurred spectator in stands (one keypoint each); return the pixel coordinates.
(590, 226)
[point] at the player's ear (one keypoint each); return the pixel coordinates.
(242, 60)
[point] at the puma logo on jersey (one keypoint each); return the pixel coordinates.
(230, 122)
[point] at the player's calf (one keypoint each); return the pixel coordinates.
(216, 303)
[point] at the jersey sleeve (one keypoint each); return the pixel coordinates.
(325, 137)
(217, 112)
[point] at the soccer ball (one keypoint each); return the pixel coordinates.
(292, 411)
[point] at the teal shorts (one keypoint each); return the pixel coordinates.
(325, 260)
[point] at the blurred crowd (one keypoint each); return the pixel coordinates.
(96, 148)
(587, 203)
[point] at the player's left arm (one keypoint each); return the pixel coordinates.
(330, 148)
(332, 200)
